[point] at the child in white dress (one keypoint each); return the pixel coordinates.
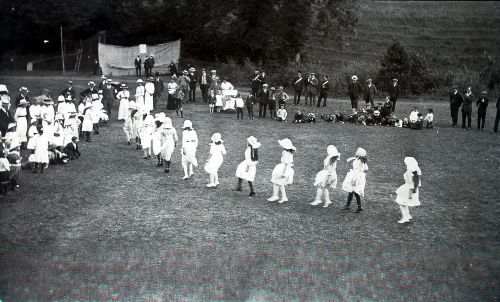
(283, 172)
(326, 177)
(217, 152)
(248, 168)
(123, 96)
(355, 180)
(128, 124)
(282, 114)
(146, 134)
(188, 149)
(22, 122)
(169, 139)
(407, 194)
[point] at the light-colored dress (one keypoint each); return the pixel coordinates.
(58, 137)
(146, 132)
(35, 111)
(32, 134)
(21, 124)
(189, 146)
(327, 176)
(403, 192)
(149, 89)
(217, 153)
(355, 180)
(283, 172)
(42, 149)
(248, 168)
(88, 120)
(123, 96)
(139, 96)
(169, 138)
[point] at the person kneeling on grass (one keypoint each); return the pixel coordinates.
(217, 152)
(429, 118)
(298, 118)
(71, 149)
(282, 114)
(311, 118)
(283, 172)
(248, 168)
(407, 194)
(355, 180)
(326, 177)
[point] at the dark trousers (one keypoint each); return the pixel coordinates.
(310, 98)
(204, 92)
(481, 118)
(138, 70)
(108, 109)
(393, 101)
(354, 102)
(349, 199)
(262, 109)
(468, 116)
(370, 101)
(156, 98)
(296, 97)
(250, 112)
(88, 136)
(192, 94)
(239, 111)
(497, 119)
(322, 96)
(454, 116)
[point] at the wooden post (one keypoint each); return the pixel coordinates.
(62, 50)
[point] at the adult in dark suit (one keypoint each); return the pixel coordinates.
(255, 83)
(394, 93)
(69, 90)
(71, 149)
(324, 88)
(497, 117)
(263, 98)
(108, 96)
(90, 90)
(482, 105)
(172, 68)
(192, 84)
(354, 90)
(6, 117)
(456, 101)
(204, 82)
(159, 87)
(146, 66)
(371, 92)
(138, 64)
(102, 83)
(151, 65)
(298, 85)
(23, 94)
(312, 89)
(467, 108)
(262, 78)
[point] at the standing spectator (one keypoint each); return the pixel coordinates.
(323, 91)
(138, 64)
(159, 87)
(263, 97)
(394, 93)
(482, 104)
(172, 88)
(69, 91)
(204, 84)
(97, 68)
(103, 82)
(139, 94)
(239, 106)
(370, 93)
(255, 83)
(184, 81)
(354, 90)
(298, 86)
(151, 65)
(89, 91)
(213, 74)
(6, 116)
(467, 108)
(146, 66)
(149, 89)
(23, 94)
(249, 102)
(271, 105)
(262, 78)
(108, 96)
(172, 68)
(192, 84)
(282, 98)
(312, 89)
(21, 118)
(497, 117)
(456, 101)
(123, 96)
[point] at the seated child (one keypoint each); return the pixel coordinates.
(281, 114)
(298, 117)
(414, 115)
(311, 118)
(429, 118)
(56, 157)
(71, 149)
(328, 118)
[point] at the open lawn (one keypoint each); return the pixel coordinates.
(112, 226)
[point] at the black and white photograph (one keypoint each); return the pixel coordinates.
(249, 150)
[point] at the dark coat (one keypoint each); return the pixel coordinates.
(263, 96)
(394, 92)
(6, 117)
(67, 91)
(108, 95)
(482, 104)
(354, 89)
(325, 87)
(255, 82)
(371, 92)
(159, 86)
(137, 62)
(456, 100)
(71, 151)
(467, 103)
(208, 79)
(192, 80)
(298, 83)
(88, 91)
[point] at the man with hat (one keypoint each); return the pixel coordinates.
(159, 87)
(138, 64)
(456, 101)
(90, 90)
(255, 83)
(323, 91)
(151, 65)
(69, 90)
(23, 94)
(354, 90)
(149, 90)
(394, 93)
(263, 98)
(312, 89)
(184, 81)
(108, 96)
(6, 116)
(205, 82)
(298, 84)
(104, 81)
(482, 104)
(370, 93)
(192, 84)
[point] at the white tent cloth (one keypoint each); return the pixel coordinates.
(119, 60)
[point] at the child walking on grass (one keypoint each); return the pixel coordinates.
(355, 180)
(283, 172)
(217, 152)
(407, 194)
(248, 168)
(326, 177)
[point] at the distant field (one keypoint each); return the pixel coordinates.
(452, 32)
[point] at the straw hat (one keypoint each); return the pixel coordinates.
(109, 81)
(139, 81)
(354, 78)
(48, 101)
(253, 142)
(23, 89)
(216, 137)
(3, 88)
(412, 165)
(104, 77)
(287, 144)
(61, 99)
(123, 86)
(361, 152)
(91, 83)
(11, 125)
(5, 101)
(167, 123)
(59, 117)
(332, 151)
(132, 105)
(187, 124)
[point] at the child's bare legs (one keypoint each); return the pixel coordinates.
(283, 194)
(275, 196)
(317, 199)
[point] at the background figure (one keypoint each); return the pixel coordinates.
(467, 108)
(354, 90)
(159, 87)
(370, 93)
(298, 84)
(394, 93)
(312, 89)
(456, 101)
(482, 104)
(323, 91)
(204, 82)
(192, 84)
(138, 64)
(497, 117)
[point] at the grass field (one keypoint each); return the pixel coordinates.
(112, 226)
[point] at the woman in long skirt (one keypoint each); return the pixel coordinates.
(41, 155)
(326, 177)
(139, 94)
(217, 152)
(407, 194)
(283, 172)
(355, 180)
(169, 138)
(248, 168)
(128, 124)
(146, 135)
(21, 118)
(123, 96)
(188, 150)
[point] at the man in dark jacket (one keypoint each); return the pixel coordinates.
(151, 65)
(6, 117)
(298, 84)
(255, 82)
(482, 104)
(159, 87)
(324, 88)
(371, 92)
(108, 96)
(204, 81)
(263, 98)
(90, 90)
(138, 64)
(394, 93)
(354, 90)
(312, 89)
(456, 101)
(69, 90)
(146, 66)
(192, 84)
(467, 108)
(497, 117)
(23, 94)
